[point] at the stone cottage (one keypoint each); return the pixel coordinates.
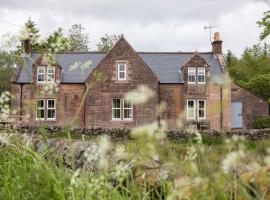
(195, 86)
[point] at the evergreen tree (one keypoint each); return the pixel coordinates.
(78, 40)
(56, 42)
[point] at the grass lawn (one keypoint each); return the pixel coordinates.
(195, 172)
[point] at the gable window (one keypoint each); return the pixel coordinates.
(51, 74)
(128, 109)
(122, 71)
(201, 109)
(201, 74)
(41, 74)
(40, 112)
(116, 109)
(191, 74)
(51, 109)
(191, 109)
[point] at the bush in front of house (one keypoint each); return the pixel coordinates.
(262, 122)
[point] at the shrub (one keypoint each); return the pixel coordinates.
(262, 122)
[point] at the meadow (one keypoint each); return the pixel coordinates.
(147, 167)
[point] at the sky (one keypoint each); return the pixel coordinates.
(149, 25)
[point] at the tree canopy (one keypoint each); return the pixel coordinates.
(265, 24)
(252, 70)
(78, 40)
(107, 42)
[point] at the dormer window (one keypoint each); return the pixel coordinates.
(41, 74)
(51, 74)
(122, 71)
(191, 74)
(201, 74)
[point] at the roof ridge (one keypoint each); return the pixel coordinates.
(83, 52)
(174, 52)
(139, 52)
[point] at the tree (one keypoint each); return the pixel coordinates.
(265, 23)
(252, 70)
(31, 32)
(78, 40)
(56, 42)
(260, 85)
(107, 42)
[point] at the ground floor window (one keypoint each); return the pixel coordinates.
(122, 109)
(51, 109)
(116, 109)
(46, 110)
(128, 109)
(196, 106)
(40, 109)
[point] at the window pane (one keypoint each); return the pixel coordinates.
(122, 67)
(128, 113)
(51, 104)
(41, 77)
(201, 78)
(201, 104)
(116, 103)
(127, 103)
(191, 78)
(116, 113)
(51, 70)
(122, 75)
(40, 114)
(51, 113)
(191, 104)
(201, 113)
(41, 70)
(201, 70)
(40, 103)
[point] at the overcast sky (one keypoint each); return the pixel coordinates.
(149, 25)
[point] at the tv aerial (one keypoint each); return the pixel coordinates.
(210, 27)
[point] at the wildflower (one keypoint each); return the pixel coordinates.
(74, 177)
(151, 131)
(140, 95)
(232, 160)
(191, 154)
(4, 139)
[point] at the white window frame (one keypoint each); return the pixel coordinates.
(127, 108)
(122, 71)
(198, 109)
(53, 108)
(189, 74)
(44, 74)
(49, 73)
(113, 118)
(194, 112)
(40, 108)
(201, 74)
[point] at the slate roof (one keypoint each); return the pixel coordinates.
(166, 65)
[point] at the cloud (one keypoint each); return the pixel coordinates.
(153, 25)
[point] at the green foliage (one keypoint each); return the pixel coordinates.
(31, 31)
(78, 40)
(265, 24)
(262, 122)
(5, 76)
(107, 42)
(252, 69)
(260, 84)
(56, 42)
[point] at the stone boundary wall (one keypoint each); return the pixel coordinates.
(124, 134)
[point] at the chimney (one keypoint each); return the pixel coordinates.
(26, 45)
(217, 44)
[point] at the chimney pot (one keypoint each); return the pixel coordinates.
(217, 44)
